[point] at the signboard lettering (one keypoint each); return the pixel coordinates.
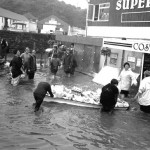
(129, 45)
(141, 46)
(132, 4)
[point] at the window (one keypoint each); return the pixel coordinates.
(101, 12)
(104, 12)
(96, 12)
(113, 58)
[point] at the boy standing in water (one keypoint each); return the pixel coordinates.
(54, 64)
(25, 58)
(40, 93)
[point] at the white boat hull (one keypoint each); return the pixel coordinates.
(77, 103)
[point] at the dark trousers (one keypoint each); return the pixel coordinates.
(125, 93)
(39, 99)
(31, 75)
(145, 109)
(107, 108)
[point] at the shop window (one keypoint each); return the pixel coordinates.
(19, 27)
(113, 58)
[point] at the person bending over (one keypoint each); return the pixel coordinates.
(40, 92)
(109, 95)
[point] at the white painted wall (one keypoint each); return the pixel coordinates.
(126, 32)
(1, 23)
(32, 27)
(47, 28)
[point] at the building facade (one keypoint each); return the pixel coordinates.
(53, 24)
(124, 26)
(15, 22)
(32, 24)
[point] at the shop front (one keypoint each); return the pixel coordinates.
(136, 52)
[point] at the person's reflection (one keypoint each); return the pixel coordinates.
(107, 120)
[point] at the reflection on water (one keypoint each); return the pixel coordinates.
(63, 127)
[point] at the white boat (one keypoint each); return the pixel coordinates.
(120, 104)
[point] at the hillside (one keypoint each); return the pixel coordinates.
(44, 8)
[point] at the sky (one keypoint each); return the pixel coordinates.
(78, 3)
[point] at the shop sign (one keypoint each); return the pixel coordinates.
(132, 4)
(130, 45)
(143, 47)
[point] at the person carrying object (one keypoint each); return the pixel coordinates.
(126, 79)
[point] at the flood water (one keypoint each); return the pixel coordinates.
(64, 127)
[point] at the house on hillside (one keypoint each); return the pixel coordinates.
(53, 25)
(32, 22)
(12, 21)
(124, 27)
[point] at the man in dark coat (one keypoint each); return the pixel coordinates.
(40, 92)
(31, 65)
(16, 68)
(69, 63)
(4, 49)
(109, 95)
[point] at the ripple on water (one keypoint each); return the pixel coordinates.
(65, 127)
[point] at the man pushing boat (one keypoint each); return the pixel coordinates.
(40, 92)
(109, 95)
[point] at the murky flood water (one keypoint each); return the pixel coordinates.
(64, 127)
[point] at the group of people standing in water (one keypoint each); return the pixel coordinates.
(22, 64)
(62, 56)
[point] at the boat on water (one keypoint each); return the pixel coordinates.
(119, 105)
(77, 97)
